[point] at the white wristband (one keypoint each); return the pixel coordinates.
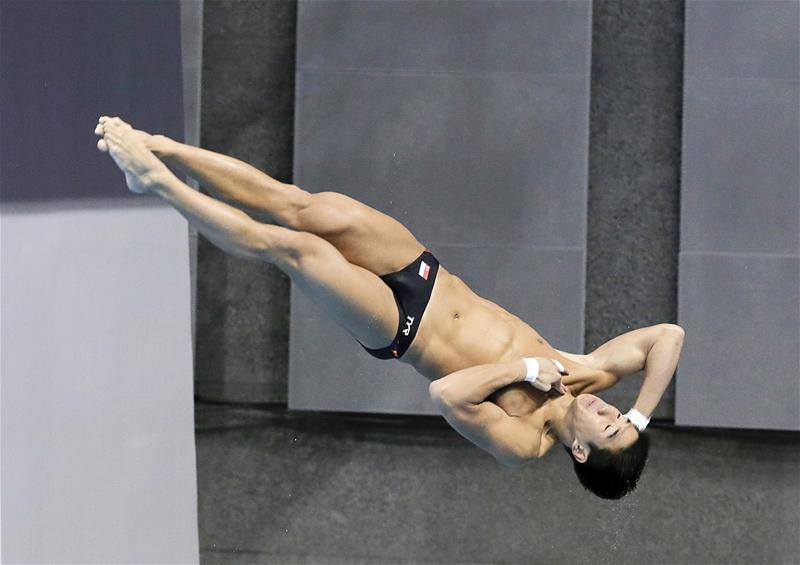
(532, 366)
(637, 419)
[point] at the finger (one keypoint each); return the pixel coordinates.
(541, 385)
(102, 145)
(561, 368)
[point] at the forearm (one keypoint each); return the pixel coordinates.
(659, 369)
(227, 178)
(475, 384)
(224, 225)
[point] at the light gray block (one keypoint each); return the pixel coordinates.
(741, 166)
(458, 159)
(328, 370)
(401, 106)
(741, 362)
(743, 39)
(421, 36)
(97, 422)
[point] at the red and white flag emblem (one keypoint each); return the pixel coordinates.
(424, 270)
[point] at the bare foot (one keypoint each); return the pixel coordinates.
(128, 148)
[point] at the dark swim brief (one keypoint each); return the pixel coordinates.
(412, 289)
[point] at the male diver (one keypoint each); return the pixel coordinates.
(493, 377)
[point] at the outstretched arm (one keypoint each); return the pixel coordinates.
(656, 349)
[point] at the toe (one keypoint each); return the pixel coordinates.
(102, 145)
(99, 129)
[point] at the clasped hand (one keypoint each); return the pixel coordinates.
(550, 374)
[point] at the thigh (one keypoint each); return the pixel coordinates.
(363, 235)
(355, 298)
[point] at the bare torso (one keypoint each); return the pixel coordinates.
(461, 329)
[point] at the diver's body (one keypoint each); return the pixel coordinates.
(336, 248)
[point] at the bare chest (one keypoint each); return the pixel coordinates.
(461, 329)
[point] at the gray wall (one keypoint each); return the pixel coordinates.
(467, 121)
(740, 216)
(278, 487)
(98, 461)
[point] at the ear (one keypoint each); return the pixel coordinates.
(579, 452)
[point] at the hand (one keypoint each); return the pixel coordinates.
(549, 378)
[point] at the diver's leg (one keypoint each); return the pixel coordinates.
(365, 236)
(354, 297)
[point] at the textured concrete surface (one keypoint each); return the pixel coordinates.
(311, 488)
(634, 174)
(247, 112)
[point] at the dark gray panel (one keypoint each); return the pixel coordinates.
(632, 39)
(458, 159)
(634, 176)
(743, 39)
(405, 490)
(473, 36)
(328, 370)
(741, 168)
(741, 361)
(64, 65)
(247, 113)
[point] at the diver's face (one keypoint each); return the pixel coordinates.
(601, 424)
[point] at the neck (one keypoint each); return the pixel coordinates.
(560, 418)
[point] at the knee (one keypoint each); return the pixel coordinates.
(328, 213)
(284, 247)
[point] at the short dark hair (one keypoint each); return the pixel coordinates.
(613, 474)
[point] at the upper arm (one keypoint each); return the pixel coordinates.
(510, 439)
(627, 353)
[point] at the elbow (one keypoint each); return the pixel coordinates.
(439, 395)
(446, 397)
(673, 330)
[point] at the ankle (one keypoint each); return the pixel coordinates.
(160, 145)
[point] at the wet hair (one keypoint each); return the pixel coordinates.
(613, 474)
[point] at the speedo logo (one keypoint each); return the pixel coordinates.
(409, 322)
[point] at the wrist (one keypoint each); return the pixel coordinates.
(531, 369)
(639, 420)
